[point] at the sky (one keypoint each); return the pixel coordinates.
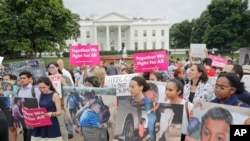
(174, 11)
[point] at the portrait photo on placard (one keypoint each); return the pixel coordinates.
(215, 119)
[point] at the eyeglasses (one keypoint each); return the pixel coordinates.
(221, 87)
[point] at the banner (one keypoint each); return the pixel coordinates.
(150, 61)
(84, 54)
(78, 98)
(119, 82)
(198, 50)
(56, 81)
(207, 116)
(35, 117)
(166, 121)
(36, 67)
(218, 61)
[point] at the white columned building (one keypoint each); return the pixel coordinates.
(117, 32)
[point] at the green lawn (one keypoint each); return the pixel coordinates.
(66, 60)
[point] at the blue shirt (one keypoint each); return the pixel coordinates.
(233, 100)
(148, 103)
(89, 119)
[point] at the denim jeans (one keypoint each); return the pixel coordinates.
(151, 125)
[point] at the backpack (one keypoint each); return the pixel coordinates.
(32, 91)
(105, 113)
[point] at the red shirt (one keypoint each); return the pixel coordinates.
(210, 72)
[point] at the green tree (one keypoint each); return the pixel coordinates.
(225, 24)
(36, 25)
(200, 27)
(180, 34)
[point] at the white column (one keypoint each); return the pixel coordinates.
(131, 47)
(107, 38)
(95, 36)
(119, 38)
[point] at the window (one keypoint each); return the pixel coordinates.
(153, 45)
(101, 33)
(123, 34)
(136, 46)
(153, 32)
(162, 32)
(145, 45)
(87, 34)
(144, 33)
(136, 33)
(162, 45)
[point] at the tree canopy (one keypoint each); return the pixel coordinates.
(34, 26)
(223, 25)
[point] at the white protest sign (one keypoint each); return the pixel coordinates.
(1, 60)
(120, 82)
(198, 50)
(246, 80)
(56, 81)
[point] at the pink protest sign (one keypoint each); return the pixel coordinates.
(84, 54)
(149, 61)
(35, 117)
(218, 61)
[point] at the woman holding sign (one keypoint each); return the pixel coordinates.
(51, 101)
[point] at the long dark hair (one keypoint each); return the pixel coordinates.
(141, 82)
(203, 78)
(47, 82)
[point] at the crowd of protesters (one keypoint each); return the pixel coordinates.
(188, 82)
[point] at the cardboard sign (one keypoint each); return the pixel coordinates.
(198, 50)
(35, 117)
(244, 58)
(246, 80)
(218, 61)
(84, 54)
(1, 60)
(56, 81)
(120, 82)
(149, 61)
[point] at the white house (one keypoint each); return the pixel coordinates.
(116, 32)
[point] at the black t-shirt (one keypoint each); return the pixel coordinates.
(191, 97)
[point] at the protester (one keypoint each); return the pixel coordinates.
(64, 71)
(53, 69)
(227, 87)
(27, 90)
(207, 63)
(51, 101)
(197, 89)
(4, 131)
(237, 69)
(174, 88)
(111, 69)
(137, 86)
